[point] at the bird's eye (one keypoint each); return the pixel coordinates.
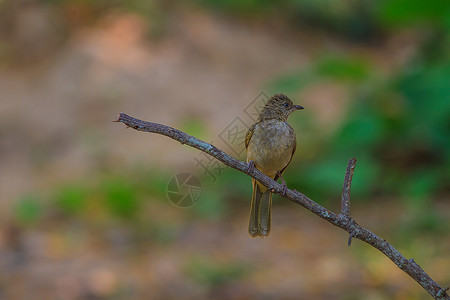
(286, 104)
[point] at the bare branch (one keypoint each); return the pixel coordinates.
(345, 205)
(341, 220)
(345, 202)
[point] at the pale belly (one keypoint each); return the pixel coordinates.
(271, 146)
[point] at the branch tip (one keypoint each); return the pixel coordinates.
(345, 202)
(341, 220)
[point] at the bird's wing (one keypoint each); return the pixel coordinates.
(249, 134)
(282, 171)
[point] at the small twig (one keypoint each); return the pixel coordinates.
(341, 220)
(345, 204)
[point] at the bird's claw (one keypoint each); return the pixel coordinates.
(284, 190)
(283, 183)
(251, 166)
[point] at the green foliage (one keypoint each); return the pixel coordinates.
(420, 186)
(239, 7)
(28, 210)
(121, 198)
(427, 91)
(150, 181)
(353, 19)
(360, 133)
(235, 181)
(357, 20)
(348, 18)
(70, 199)
(340, 68)
(398, 128)
(343, 68)
(194, 127)
(414, 12)
(211, 205)
(108, 197)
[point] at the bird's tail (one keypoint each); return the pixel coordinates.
(260, 213)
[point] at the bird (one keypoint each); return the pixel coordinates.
(270, 144)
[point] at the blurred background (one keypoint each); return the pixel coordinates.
(84, 212)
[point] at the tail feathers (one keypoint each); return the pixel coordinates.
(260, 213)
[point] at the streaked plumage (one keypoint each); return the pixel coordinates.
(270, 144)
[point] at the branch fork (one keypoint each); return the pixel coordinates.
(341, 220)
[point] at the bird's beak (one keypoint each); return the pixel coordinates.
(297, 107)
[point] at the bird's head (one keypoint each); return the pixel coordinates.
(278, 107)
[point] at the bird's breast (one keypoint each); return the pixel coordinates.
(271, 146)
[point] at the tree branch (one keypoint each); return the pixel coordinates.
(345, 205)
(345, 202)
(342, 220)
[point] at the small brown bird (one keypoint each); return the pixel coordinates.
(270, 144)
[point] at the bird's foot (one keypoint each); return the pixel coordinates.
(283, 183)
(251, 166)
